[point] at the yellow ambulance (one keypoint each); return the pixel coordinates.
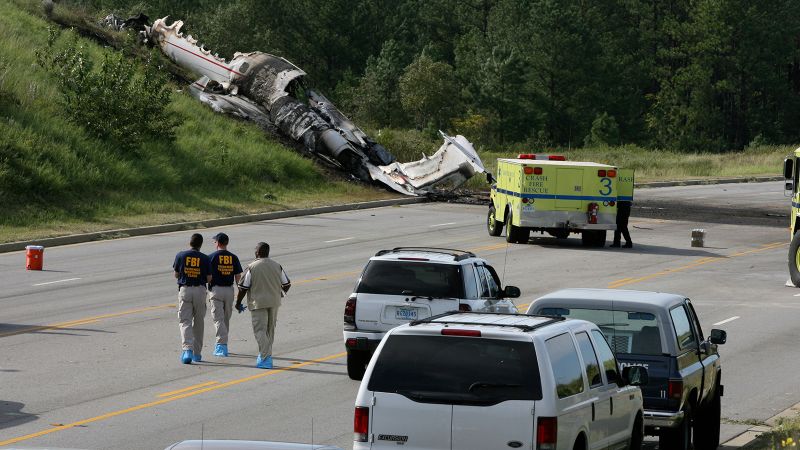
(547, 193)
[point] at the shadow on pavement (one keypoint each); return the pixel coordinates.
(646, 249)
(11, 414)
(13, 329)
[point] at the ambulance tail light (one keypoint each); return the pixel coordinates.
(592, 211)
(537, 170)
(524, 200)
(528, 170)
(557, 158)
(601, 173)
(611, 173)
(612, 203)
(361, 424)
(546, 433)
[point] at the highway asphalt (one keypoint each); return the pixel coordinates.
(89, 347)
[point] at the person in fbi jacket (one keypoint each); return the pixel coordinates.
(225, 269)
(191, 270)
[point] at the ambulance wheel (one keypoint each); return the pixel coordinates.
(593, 238)
(794, 259)
(515, 234)
(495, 227)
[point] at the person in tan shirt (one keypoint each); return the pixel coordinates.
(264, 282)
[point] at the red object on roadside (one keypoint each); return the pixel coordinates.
(34, 257)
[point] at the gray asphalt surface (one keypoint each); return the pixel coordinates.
(89, 347)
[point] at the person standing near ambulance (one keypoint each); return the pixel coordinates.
(225, 269)
(625, 180)
(264, 282)
(191, 270)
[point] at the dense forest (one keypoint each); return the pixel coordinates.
(709, 75)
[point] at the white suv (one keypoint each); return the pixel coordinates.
(410, 283)
(492, 381)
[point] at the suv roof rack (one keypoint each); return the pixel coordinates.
(523, 327)
(457, 254)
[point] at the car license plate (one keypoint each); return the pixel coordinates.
(405, 314)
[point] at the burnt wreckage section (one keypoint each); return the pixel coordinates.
(270, 90)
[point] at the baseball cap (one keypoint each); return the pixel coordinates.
(222, 238)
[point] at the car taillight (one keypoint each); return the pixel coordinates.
(601, 173)
(464, 307)
(592, 211)
(675, 389)
(458, 332)
(350, 310)
(361, 424)
(537, 170)
(546, 433)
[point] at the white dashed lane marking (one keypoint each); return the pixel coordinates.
(339, 240)
(727, 320)
(443, 224)
(57, 281)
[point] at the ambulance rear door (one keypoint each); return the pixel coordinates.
(569, 188)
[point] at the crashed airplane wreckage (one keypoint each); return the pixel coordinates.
(270, 90)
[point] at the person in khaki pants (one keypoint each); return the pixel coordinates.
(264, 282)
(225, 270)
(191, 270)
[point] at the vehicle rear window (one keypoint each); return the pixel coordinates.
(457, 370)
(625, 331)
(411, 278)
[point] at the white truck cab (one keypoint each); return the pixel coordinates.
(492, 381)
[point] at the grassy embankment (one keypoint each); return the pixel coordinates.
(785, 435)
(56, 179)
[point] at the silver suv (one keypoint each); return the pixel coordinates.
(405, 284)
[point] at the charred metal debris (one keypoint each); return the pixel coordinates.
(271, 91)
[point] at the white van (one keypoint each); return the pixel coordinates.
(492, 381)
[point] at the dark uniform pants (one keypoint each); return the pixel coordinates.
(623, 213)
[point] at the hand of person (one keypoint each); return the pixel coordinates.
(240, 307)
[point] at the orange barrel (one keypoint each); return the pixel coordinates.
(34, 257)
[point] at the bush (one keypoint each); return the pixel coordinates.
(121, 101)
(605, 131)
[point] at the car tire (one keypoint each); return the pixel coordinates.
(679, 438)
(494, 226)
(356, 364)
(794, 259)
(707, 424)
(515, 234)
(637, 434)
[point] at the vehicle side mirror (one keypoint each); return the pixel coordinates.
(511, 292)
(788, 169)
(718, 337)
(635, 376)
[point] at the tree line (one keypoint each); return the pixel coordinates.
(709, 75)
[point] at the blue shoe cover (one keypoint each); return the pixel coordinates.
(264, 363)
(197, 357)
(186, 357)
(221, 350)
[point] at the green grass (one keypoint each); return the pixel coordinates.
(56, 179)
(785, 435)
(650, 165)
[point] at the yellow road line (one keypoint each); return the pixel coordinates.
(167, 400)
(699, 262)
(332, 276)
(84, 321)
(179, 391)
(489, 247)
(523, 306)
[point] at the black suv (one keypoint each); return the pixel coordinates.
(662, 333)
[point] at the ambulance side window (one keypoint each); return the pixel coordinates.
(470, 283)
